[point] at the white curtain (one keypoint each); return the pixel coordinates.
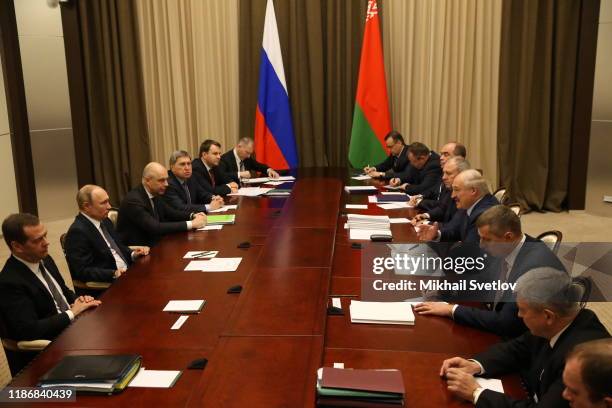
(190, 64)
(442, 61)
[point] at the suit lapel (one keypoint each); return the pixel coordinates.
(93, 232)
(29, 276)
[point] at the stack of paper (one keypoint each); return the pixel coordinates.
(360, 189)
(155, 378)
(364, 226)
(389, 197)
(361, 177)
(382, 312)
(250, 191)
(283, 179)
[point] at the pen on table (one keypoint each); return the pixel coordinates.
(202, 254)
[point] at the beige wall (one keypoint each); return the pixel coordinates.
(8, 198)
(599, 180)
(43, 59)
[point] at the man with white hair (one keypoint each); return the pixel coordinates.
(144, 217)
(472, 197)
(443, 207)
(551, 305)
(238, 163)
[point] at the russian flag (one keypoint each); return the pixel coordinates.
(274, 138)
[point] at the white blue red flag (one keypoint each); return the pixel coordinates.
(274, 137)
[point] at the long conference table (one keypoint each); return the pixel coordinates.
(263, 346)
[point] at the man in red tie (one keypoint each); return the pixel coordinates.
(207, 173)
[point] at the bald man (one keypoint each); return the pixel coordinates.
(144, 217)
(93, 249)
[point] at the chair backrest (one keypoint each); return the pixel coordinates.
(552, 239)
(516, 208)
(113, 214)
(500, 194)
(63, 242)
(5, 371)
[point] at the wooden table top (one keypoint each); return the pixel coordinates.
(264, 345)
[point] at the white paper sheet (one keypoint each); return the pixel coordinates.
(224, 209)
(155, 378)
(285, 178)
(393, 206)
(275, 183)
(210, 228)
(185, 306)
(255, 180)
(361, 178)
(399, 220)
(179, 322)
(381, 312)
(200, 254)
(364, 234)
(348, 189)
(356, 207)
(251, 191)
(372, 199)
(336, 302)
(214, 265)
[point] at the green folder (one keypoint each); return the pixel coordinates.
(221, 219)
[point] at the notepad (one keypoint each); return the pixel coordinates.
(381, 312)
(179, 322)
(393, 206)
(155, 378)
(221, 219)
(255, 180)
(250, 191)
(214, 265)
(184, 306)
(356, 206)
(276, 183)
(361, 178)
(285, 178)
(365, 234)
(352, 189)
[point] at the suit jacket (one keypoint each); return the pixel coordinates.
(504, 320)
(137, 224)
(533, 355)
(441, 209)
(201, 176)
(89, 257)
(228, 165)
(463, 228)
(176, 197)
(26, 306)
(425, 179)
(393, 166)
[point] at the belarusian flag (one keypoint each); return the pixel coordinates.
(371, 120)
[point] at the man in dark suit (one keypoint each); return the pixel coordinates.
(35, 302)
(396, 163)
(439, 204)
(424, 173)
(183, 192)
(472, 197)
(239, 164)
(587, 375)
(450, 150)
(144, 217)
(93, 249)
(516, 253)
(549, 302)
(207, 172)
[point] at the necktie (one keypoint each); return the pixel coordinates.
(212, 178)
(57, 296)
(503, 276)
(242, 166)
(154, 210)
(187, 192)
(112, 243)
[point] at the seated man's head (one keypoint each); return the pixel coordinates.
(26, 237)
(548, 300)
(468, 187)
(500, 230)
(155, 178)
(452, 149)
(452, 168)
(394, 142)
(180, 164)
(588, 375)
(418, 154)
(245, 147)
(210, 152)
(94, 201)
